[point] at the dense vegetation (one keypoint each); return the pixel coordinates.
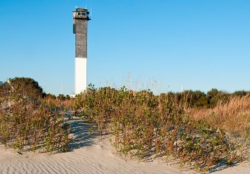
(24, 86)
(146, 125)
(201, 129)
(27, 122)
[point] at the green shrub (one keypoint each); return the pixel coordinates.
(144, 124)
(28, 124)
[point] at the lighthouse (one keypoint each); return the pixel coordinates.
(80, 26)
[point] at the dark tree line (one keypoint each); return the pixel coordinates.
(200, 99)
(189, 98)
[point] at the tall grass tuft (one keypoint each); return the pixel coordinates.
(232, 116)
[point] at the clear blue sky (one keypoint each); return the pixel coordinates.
(193, 44)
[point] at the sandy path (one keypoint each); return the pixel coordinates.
(90, 155)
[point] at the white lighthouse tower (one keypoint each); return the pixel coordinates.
(80, 25)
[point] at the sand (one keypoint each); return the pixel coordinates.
(92, 154)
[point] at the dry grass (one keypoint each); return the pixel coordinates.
(233, 116)
(56, 102)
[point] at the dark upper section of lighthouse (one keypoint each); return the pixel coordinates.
(80, 22)
(81, 13)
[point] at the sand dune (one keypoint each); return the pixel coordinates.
(91, 154)
(94, 159)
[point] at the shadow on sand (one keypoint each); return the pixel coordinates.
(81, 134)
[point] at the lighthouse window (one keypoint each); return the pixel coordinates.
(83, 14)
(79, 13)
